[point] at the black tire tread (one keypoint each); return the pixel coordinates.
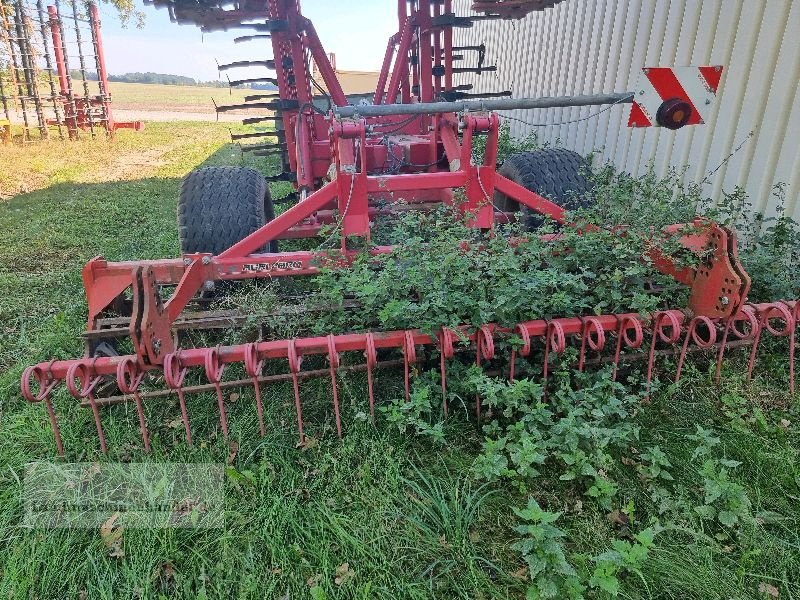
(219, 206)
(555, 173)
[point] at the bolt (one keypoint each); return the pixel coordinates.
(646, 71)
(708, 101)
(725, 301)
(209, 285)
(187, 262)
(641, 92)
(206, 260)
(156, 347)
(718, 68)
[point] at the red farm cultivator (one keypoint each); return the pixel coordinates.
(410, 147)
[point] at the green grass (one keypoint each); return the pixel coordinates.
(404, 514)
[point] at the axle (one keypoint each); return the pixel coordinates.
(429, 108)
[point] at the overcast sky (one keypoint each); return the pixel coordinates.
(357, 31)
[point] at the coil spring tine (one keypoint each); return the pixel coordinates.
(214, 369)
(371, 355)
(484, 343)
(294, 368)
(658, 333)
(83, 371)
(46, 386)
(128, 381)
(333, 359)
(692, 335)
(622, 336)
(524, 351)
(409, 356)
(447, 351)
(553, 338)
(174, 375)
(764, 323)
(253, 366)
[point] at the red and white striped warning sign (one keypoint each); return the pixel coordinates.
(674, 96)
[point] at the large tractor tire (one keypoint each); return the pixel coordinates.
(555, 173)
(220, 206)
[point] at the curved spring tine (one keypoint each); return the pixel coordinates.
(294, 368)
(46, 386)
(596, 343)
(174, 374)
(730, 327)
(446, 342)
(659, 333)
(525, 350)
(795, 317)
(214, 368)
(693, 335)
(409, 356)
(484, 347)
(775, 311)
(554, 340)
(622, 336)
(253, 366)
(84, 372)
(333, 359)
(371, 354)
(129, 377)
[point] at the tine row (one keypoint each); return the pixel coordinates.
(591, 334)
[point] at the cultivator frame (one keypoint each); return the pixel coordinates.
(347, 171)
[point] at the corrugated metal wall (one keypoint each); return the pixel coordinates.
(585, 46)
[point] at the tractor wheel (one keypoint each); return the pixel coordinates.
(220, 206)
(555, 173)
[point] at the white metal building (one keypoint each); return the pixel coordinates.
(587, 46)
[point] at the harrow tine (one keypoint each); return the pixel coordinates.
(554, 339)
(294, 367)
(447, 338)
(333, 359)
(661, 319)
(524, 351)
(693, 335)
(253, 366)
(371, 354)
(590, 326)
(46, 385)
(409, 356)
(624, 325)
(83, 371)
(746, 314)
(128, 380)
(781, 312)
(484, 346)
(174, 374)
(214, 369)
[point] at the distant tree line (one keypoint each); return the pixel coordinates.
(149, 77)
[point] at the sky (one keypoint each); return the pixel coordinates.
(356, 31)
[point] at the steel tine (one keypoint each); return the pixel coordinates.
(524, 351)
(128, 381)
(174, 375)
(658, 333)
(333, 359)
(371, 355)
(83, 371)
(46, 385)
(484, 343)
(409, 356)
(214, 369)
(294, 369)
(692, 335)
(253, 366)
